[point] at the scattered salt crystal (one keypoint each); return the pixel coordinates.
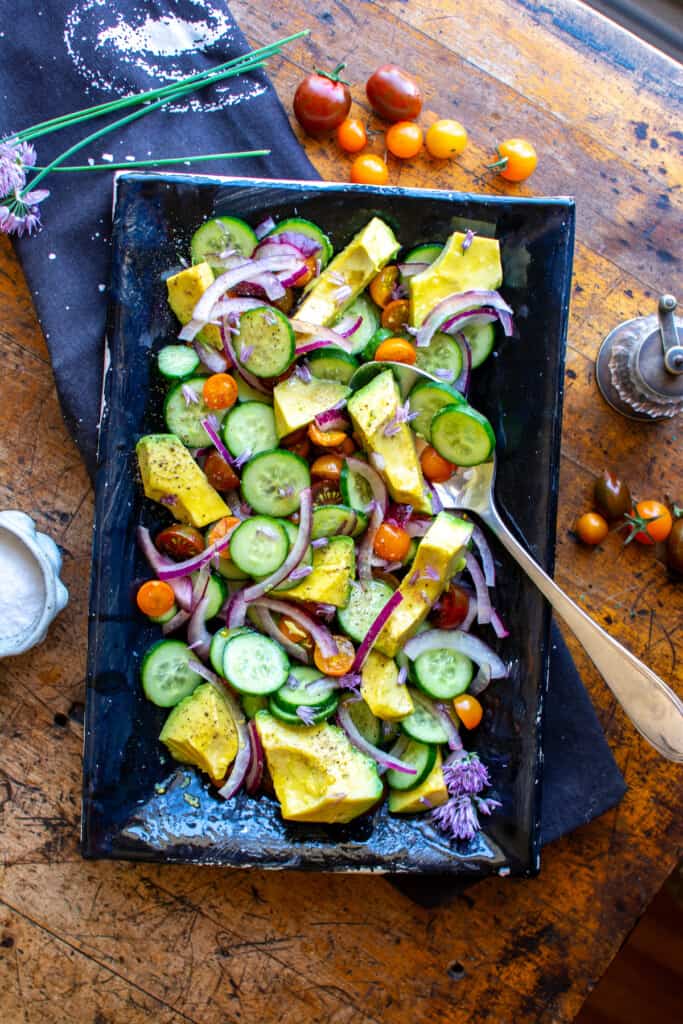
(101, 287)
(108, 157)
(52, 256)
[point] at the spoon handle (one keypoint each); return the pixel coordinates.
(653, 707)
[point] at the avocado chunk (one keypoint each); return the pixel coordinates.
(184, 292)
(353, 268)
(317, 774)
(371, 409)
(170, 473)
(455, 271)
(380, 688)
(430, 793)
(296, 403)
(334, 566)
(434, 564)
(200, 730)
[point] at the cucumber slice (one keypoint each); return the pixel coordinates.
(229, 571)
(426, 399)
(252, 704)
(368, 725)
(245, 392)
(272, 482)
(332, 364)
(420, 756)
(292, 532)
(159, 620)
(305, 687)
(249, 427)
(259, 546)
(217, 591)
(184, 418)
(426, 253)
(443, 674)
(311, 230)
(265, 343)
(166, 674)
(364, 308)
(481, 338)
(220, 234)
(336, 521)
(355, 489)
(175, 362)
(422, 725)
(319, 714)
(442, 353)
(376, 340)
(365, 604)
(255, 664)
(462, 435)
(218, 642)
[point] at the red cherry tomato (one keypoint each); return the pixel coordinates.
(394, 94)
(452, 608)
(180, 542)
(650, 522)
(321, 102)
(219, 474)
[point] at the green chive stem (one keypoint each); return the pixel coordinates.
(163, 162)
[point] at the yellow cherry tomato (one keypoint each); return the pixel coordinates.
(396, 314)
(327, 467)
(404, 139)
(435, 467)
(351, 135)
(396, 350)
(517, 160)
(369, 169)
(383, 284)
(468, 709)
(155, 598)
(591, 528)
(338, 664)
(219, 391)
(391, 543)
(296, 633)
(326, 438)
(446, 139)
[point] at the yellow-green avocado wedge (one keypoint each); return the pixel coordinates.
(355, 266)
(371, 408)
(200, 731)
(455, 271)
(437, 556)
(168, 471)
(317, 774)
(296, 402)
(184, 292)
(334, 566)
(430, 793)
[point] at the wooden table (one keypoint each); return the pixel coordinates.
(107, 942)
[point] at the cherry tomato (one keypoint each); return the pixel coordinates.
(325, 438)
(298, 443)
(435, 467)
(347, 447)
(404, 139)
(396, 350)
(321, 102)
(452, 609)
(155, 598)
(446, 139)
(396, 315)
(296, 633)
(591, 528)
(391, 542)
(219, 529)
(339, 664)
(650, 522)
(351, 135)
(383, 284)
(674, 548)
(219, 474)
(324, 492)
(286, 302)
(219, 391)
(327, 467)
(612, 496)
(180, 542)
(369, 169)
(468, 709)
(394, 94)
(517, 160)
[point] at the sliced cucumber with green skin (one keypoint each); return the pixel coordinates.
(368, 725)
(219, 234)
(166, 674)
(442, 353)
(422, 757)
(365, 604)
(426, 253)
(249, 427)
(355, 489)
(336, 521)
(292, 532)
(272, 482)
(176, 362)
(422, 725)
(184, 418)
(265, 343)
(309, 688)
(216, 591)
(380, 335)
(426, 399)
(245, 392)
(462, 435)
(218, 642)
(311, 230)
(442, 673)
(259, 545)
(364, 308)
(159, 620)
(319, 714)
(251, 705)
(481, 339)
(229, 571)
(255, 664)
(332, 364)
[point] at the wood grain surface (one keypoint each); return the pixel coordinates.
(118, 943)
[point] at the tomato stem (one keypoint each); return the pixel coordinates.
(501, 163)
(333, 75)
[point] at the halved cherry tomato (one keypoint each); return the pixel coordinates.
(517, 160)
(351, 135)
(327, 467)
(219, 391)
(220, 529)
(396, 315)
(325, 492)
(468, 709)
(445, 139)
(591, 528)
(347, 447)
(369, 169)
(296, 633)
(325, 438)
(452, 608)
(312, 265)
(180, 542)
(297, 442)
(396, 350)
(219, 474)
(340, 663)
(404, 139)
(391, 542)
(155, 598)
(383, 284)
(286, 301)
(650, 522)
(435, 467)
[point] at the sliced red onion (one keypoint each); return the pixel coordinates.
(499, 626)
(375, 629)
(198, 636)
(264, 228)
(269, 248)
(332, 419)
(241, 763)
(399, 514)
(382, 757)
(234, 307)
(310, 346)
(481, 680)
(455, 304)
(463, 382)
(206, 674)
(456, 640)
(272, 286)
(289, 278)
(348, 325)
(236, 611)
(230, 352)
(321, 333)
(252, 779)
(365, 548)
(302, 371)
(211, 358)
(320, 634)
(439, 711)
(410, 269)
(210, 424)
(417, 527)
(178, 620)
(466, 623)
(486, 555)
(483, 599)
(182, 588)
(379, 491)
(436, 500)
(238, 508)
(303, 243)
(296, 553)
(176, 570)
(323, 611)
(224, 282)
(268, 624)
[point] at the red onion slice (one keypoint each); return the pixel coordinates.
(264, 228)
(438, 711)
(272, 287)
(375, 629)
(417, 527)
(303, 243)
(310, 346)
(466, 623)
(241, 763)
(456, 640)
(265, 621)
(410, 269)
(348, 325)
(209, 424)
(296, 553)
(365, 548)
(230, 352)
(269, 248)
(320, 634)
(499, 626)
(198, 636)
(178, 620)
(483, 599)
(485, 554)
(321, 333)
(182, 588)
(463, 382)
(481, 680)
(383, 758)
(176, 570)
(332, 419)
(211, 358)
(252, 779)
(461, 302)
(289, 278)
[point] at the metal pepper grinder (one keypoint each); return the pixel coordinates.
(639, 368)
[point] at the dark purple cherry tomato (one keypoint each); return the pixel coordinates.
(394, 94)
(612, 496)
(321, 102)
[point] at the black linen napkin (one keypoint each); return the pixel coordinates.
(69, 54)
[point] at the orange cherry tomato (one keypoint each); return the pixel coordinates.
(396, 315)
(312, 266)
(180, 541)
(296, 633)
(297, 442)
(286, 302)
(383, 284)
(219, 391)
(650, 522)
(351, 135)
(517, 160)
(369, 169)
(391, 543)
(340, 663)
(396, 350)
(451, 609)
(591, 528)
(404, 139)
(219, 530)
(155, 598)
(327, 467)
(347, 447)
(219, 474)
(435, 467)
(326, 438)
(468, 709)
(446, 139)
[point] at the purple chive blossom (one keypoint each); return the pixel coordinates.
(189, 394)
(426, 802)
(306, 714)
(342, 294)
(402, 415)
(19, 214)
(265, 531)
(414, 577)
(486, 805)
(285, 492)
(336, 277)
(447, 375)
(457, 818)
(402, 677)
(303, 373)
(246, 353)
(241, 459)
(168, 499)
(292, 682)
(301, 572)
(351, 681)
(320, 542)
(467, 240)
(410, 330)
(430, 573)
(465, 775)
(269, 318)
